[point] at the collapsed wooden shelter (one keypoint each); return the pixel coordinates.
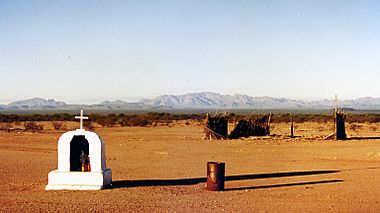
(217, 127)
(252, 127)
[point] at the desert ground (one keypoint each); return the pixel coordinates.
(163, 169)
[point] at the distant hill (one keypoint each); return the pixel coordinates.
(122, 104)
(36, 103)
(216, 100)
(203, 100)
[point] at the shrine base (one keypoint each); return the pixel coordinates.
(58, 180)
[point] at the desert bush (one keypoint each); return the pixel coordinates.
(57, 125)
(169, 122)
(373, 128)
(33, 126)
(151, 118)
(88, 125)
(6, 127)
(138, 120)
(355, 127)
(321, 128)
(104, 121)
(362, 118)
(36, 117)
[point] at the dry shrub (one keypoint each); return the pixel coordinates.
(57, 125)
(138, 120)
(6, 127)
(373, 128)
(301, 118)
(33, 126)
(107, 120)
(355, 127)
(88, 125)
(169, 123)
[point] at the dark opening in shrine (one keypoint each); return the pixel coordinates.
(78, 145)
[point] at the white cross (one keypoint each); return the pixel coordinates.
(81, 117)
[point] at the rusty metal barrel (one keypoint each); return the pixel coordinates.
(215, 176)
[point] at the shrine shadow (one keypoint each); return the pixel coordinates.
(193, 181)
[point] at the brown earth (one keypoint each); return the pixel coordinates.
(163, 169)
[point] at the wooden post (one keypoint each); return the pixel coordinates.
(235, 121)
(208, 134)
(268, 126)
(292, 129)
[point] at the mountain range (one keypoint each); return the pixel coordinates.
(203, 100)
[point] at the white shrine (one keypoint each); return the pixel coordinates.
(81, 162)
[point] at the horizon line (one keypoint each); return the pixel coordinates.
(92, 101)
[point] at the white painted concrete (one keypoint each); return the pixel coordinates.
(99, 177)
(79, 180)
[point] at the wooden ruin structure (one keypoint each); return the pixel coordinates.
(217, 127)
(252, 127)
(340, 117)
(340, 131)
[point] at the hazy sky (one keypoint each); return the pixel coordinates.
(86, 51)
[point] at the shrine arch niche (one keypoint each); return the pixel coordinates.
(78, 144)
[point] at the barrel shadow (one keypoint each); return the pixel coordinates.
(284, 185)
(193, 181)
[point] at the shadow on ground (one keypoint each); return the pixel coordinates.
(193, 181)
(363, 138)
(284, 185)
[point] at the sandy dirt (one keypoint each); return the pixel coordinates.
(163, 169)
